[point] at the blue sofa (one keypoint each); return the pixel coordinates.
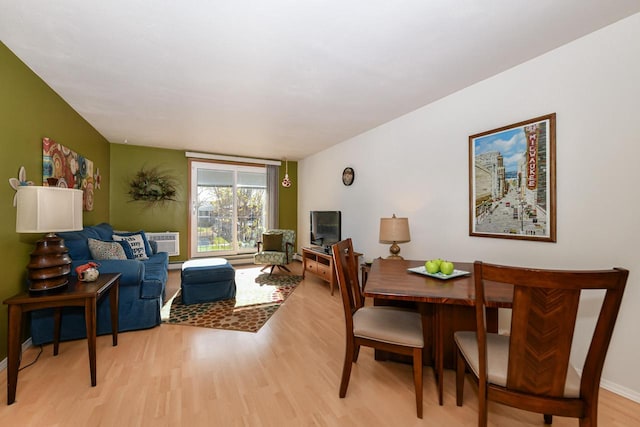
(142, 291)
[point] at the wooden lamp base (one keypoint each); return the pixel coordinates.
(49, 267)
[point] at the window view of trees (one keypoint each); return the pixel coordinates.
(217, 217)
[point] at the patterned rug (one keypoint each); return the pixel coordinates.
(258, 296)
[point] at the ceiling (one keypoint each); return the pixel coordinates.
(279, 78)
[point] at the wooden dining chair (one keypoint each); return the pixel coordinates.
(530, 369)
(384, 328)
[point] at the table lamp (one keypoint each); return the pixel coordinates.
(48, 210)
(394, 230)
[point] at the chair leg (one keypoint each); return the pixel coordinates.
(482, 404)
(356, 352)
(548, 419)
(417, 378)
(346, 368)
(590, 418)
(284, 267)
(460, 370)
(271, 271)
(588, 421)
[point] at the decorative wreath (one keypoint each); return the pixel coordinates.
(152, 186)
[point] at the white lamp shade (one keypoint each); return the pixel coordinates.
(48, 209)
(394, 230)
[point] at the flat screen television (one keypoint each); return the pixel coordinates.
(325, 228)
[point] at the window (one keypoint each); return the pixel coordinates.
(229, 205)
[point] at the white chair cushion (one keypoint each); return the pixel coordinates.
(388, 324)
(498, 360)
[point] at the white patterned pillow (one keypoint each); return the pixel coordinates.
(106, 250)
(136, 242)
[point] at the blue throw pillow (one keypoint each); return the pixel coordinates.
(138, 242)
(127, 249)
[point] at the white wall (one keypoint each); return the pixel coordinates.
(417, 166)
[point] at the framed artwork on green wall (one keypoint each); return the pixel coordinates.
(63, 167)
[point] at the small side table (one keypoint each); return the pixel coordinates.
(83, 294)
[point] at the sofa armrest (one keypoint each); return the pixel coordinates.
(155, 276)
(132, 270)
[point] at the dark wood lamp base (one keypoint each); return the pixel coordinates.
(49, 267)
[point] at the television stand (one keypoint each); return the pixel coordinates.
(320, 263)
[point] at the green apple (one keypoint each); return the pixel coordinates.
(432, 266)
(446, 267)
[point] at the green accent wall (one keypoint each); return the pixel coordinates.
(288, 201)
(29, 111)
(130, 215)
(126, 214)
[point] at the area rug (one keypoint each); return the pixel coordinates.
(258, 296)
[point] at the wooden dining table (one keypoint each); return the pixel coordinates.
(446, 305)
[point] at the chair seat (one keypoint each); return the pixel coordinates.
(391, 325)
(498, 360)
(270, 258)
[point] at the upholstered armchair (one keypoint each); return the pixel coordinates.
(275, 249)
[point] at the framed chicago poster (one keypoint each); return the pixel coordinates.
(512, 181)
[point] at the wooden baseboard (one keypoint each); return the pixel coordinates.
(25, 345)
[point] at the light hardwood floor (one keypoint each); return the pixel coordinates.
(287, 374)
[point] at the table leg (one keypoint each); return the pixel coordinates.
(365, 275)
(90, 319)
(113, 304)
(439, 352)
(426, 312)
(13, 356)
(57, 319)
(492, 319)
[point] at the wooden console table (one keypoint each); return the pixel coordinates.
(316, 261)
(83, 294)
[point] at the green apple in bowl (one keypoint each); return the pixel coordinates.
(446, 267)
(432, 266)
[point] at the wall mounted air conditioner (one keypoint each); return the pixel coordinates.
(169, 241)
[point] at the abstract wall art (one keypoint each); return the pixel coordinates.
(63, 167)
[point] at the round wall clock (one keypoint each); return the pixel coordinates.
(347, 176)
